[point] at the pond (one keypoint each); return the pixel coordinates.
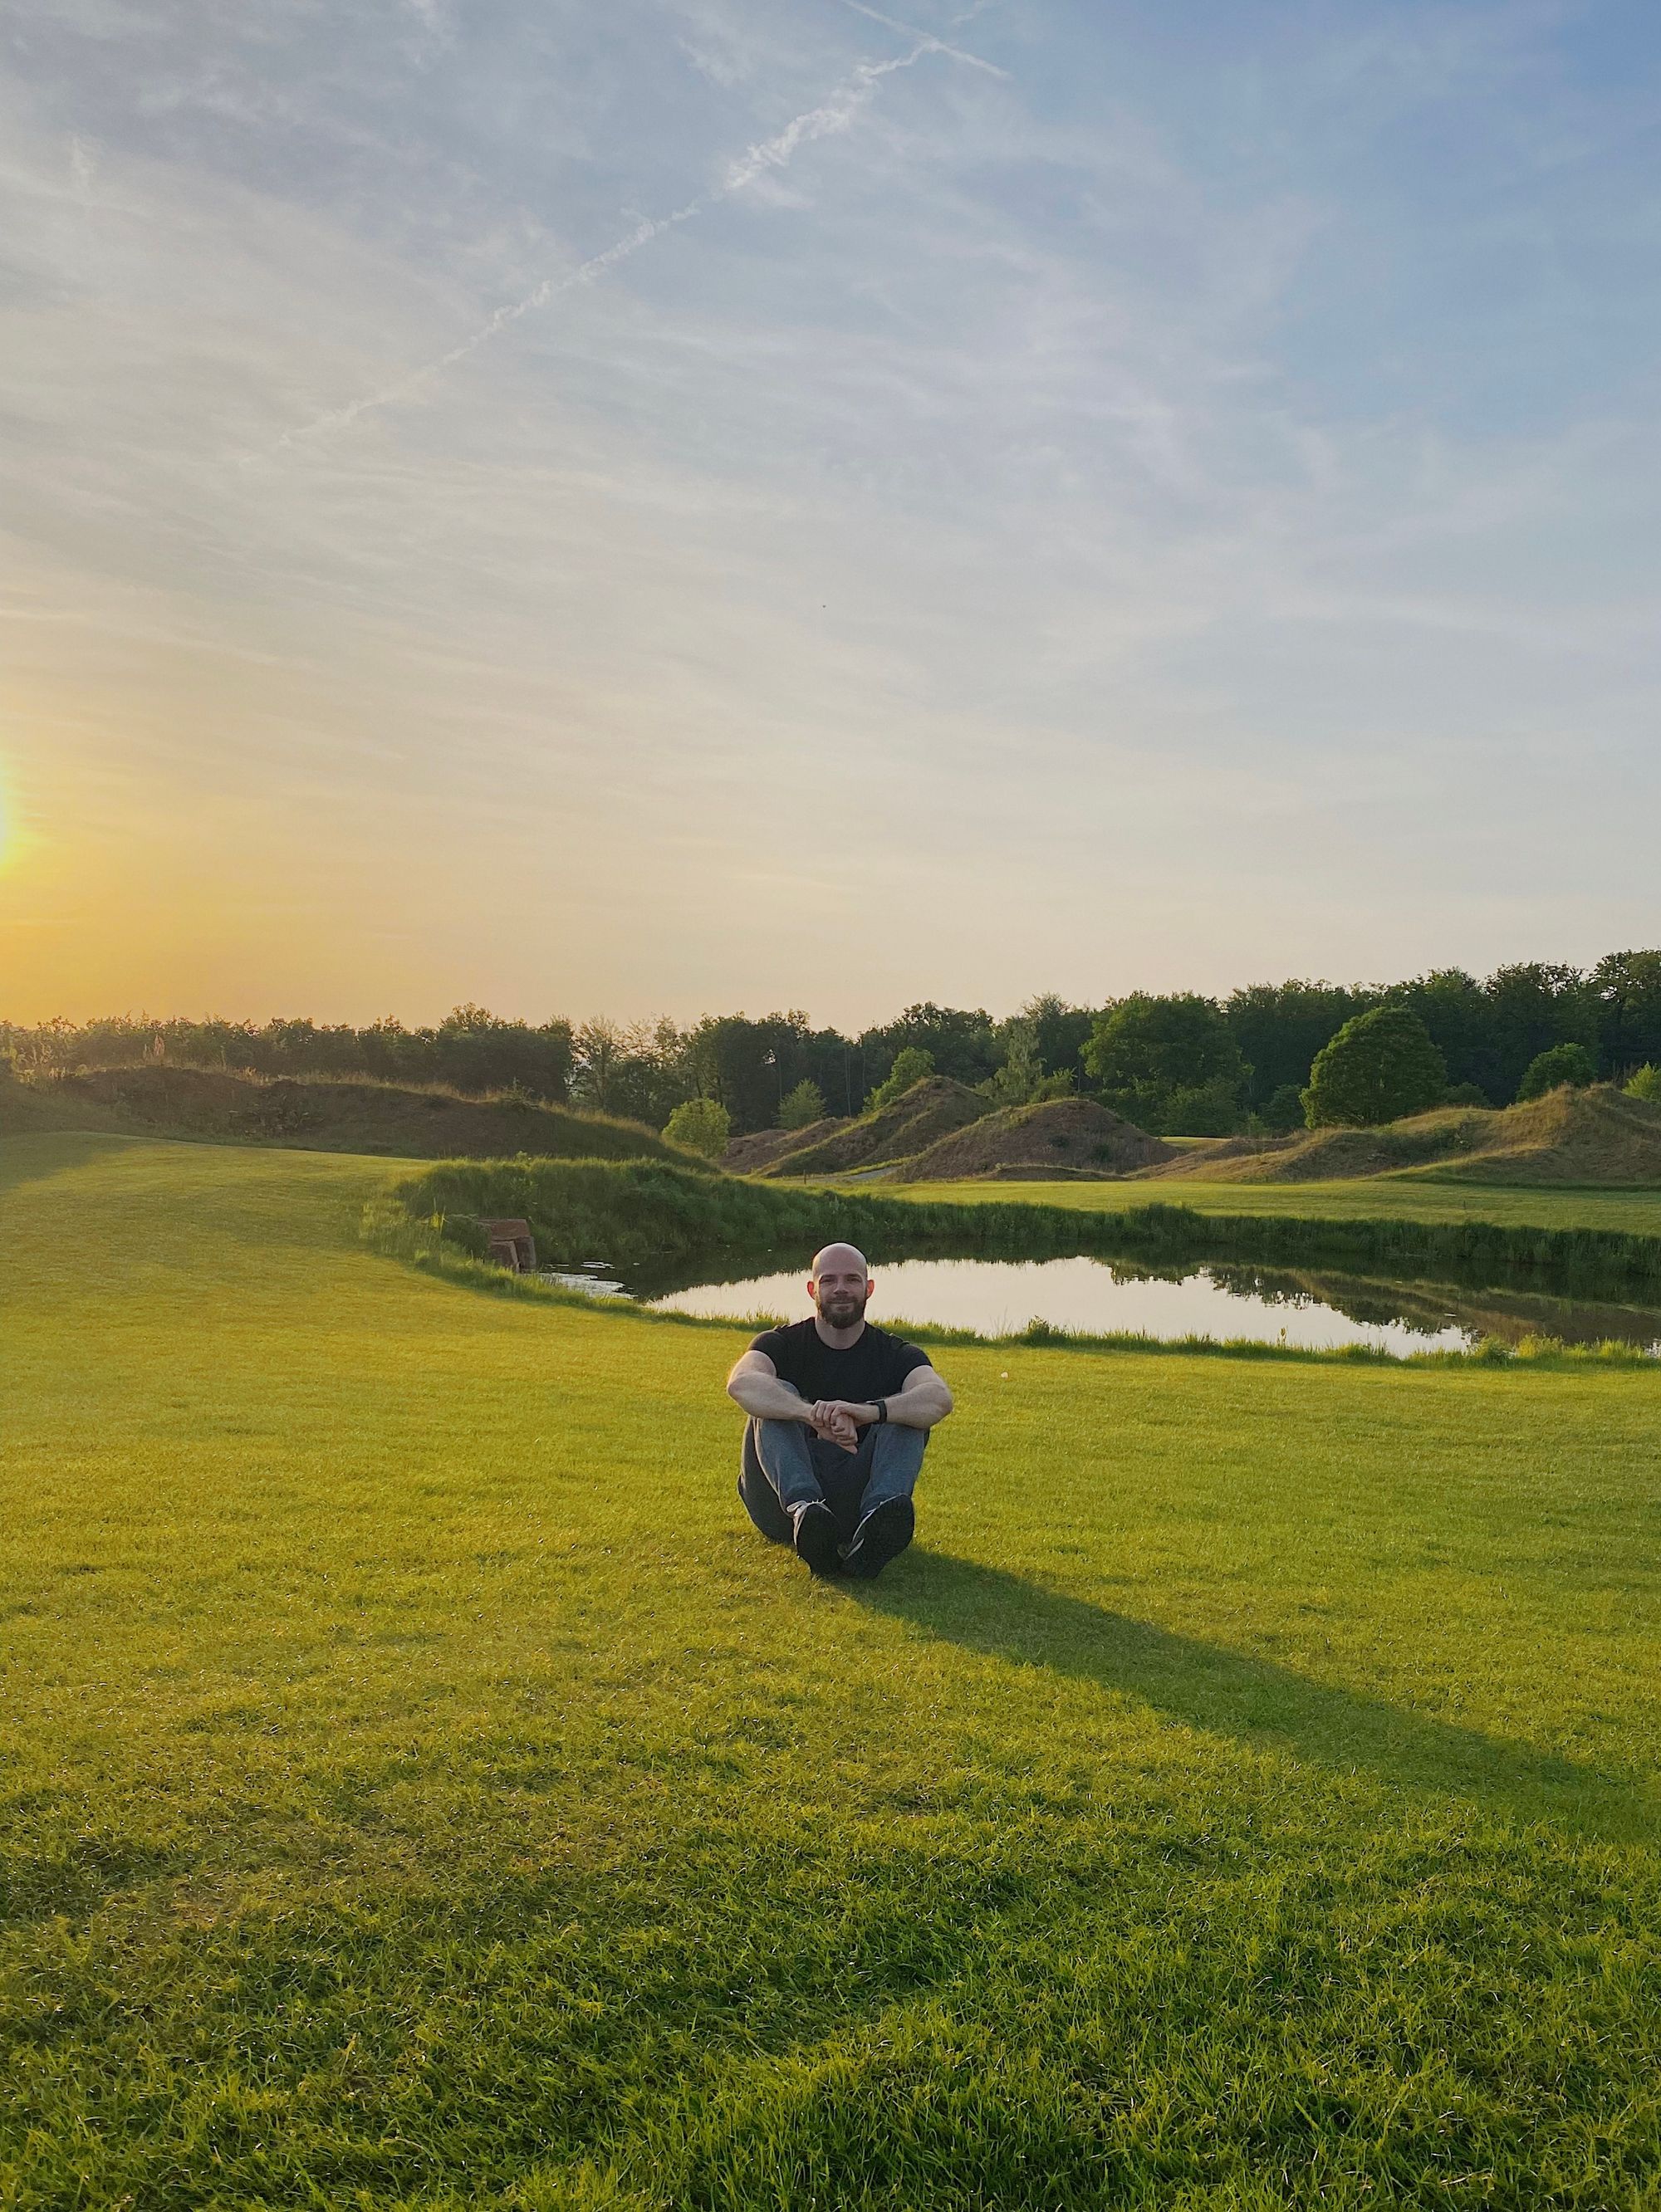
(1307, 1309)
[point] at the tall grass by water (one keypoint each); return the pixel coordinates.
(630, 1213)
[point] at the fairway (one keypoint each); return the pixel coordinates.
(1380, 1198)
(423, 1789)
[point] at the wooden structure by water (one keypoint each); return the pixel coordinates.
(512, 1245)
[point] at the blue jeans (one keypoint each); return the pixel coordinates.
(785, 1464)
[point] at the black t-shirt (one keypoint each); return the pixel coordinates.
(876, 1365)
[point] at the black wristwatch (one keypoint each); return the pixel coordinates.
(881, 1404)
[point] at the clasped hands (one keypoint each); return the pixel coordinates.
(839, 1421)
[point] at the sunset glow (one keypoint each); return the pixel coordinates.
(1091, 499)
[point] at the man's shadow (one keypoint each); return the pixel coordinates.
(1252, 1701)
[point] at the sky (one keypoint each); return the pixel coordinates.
(707, 505)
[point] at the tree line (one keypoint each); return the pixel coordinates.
(1176, 1062)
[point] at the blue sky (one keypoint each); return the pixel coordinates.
(712, 505)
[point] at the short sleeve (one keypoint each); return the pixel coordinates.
(908, 1358)
(768, 1341)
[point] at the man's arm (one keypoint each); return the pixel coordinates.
(923, 1400)
(754, 1384)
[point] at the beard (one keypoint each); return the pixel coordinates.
(843, 1309)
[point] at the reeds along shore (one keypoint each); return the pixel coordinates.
(628, 1212)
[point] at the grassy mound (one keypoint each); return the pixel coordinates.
(749, 1155)
(930, 1110)
(1061, 1136)
(1598, 1137)
(422, 1788)
(319, 1114)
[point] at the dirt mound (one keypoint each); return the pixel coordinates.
(325, 1116)
(747, 1155)
(28, 1109)
(930, 1110)
(1061, 1136)
(1596, 1138)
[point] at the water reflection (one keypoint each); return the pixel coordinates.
(1307, 1309)
(997, 1297)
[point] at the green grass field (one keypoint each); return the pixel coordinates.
(422, 1789)
(1403, 1197)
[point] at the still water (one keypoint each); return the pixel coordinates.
(998, 1298)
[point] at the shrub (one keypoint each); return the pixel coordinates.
(1560, 1064)
(1203, 1109)
(1379, 1066)
(701, 1125)
(910, 1066)
(1283, 1110)
(1646, 1084)
(1466, 1094)
(802, 1106)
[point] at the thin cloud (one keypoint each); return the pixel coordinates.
(550, 288)
(927, 37)
(833, 114)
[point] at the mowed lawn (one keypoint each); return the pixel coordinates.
(421, 1789)
(1377, 1198)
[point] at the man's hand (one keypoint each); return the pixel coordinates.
(839, 1421)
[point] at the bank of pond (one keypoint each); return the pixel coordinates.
(675, 1241)
(1086, 1295)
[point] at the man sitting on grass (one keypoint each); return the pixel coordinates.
(839, 1417)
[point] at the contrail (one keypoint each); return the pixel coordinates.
(833, 114)
(550, 289)
(927, 38)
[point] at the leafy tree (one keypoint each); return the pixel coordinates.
(1534, 1005)
(911, 1066)
(802, 1106)
(959, 1043)
(832, 1061)
(1203, 1109)
(1646, 1083)
(1279, 1027)
(1017, 1080)
(702, 1125)
(1465, 1094)
(1379, 1066)
(1627, 988)
(1059, 1033)
(1560, 1064)
(1037, 1053)
(1144, 1050)
(477, 1050)
(599, 1046)
(1459, 1017)
(750, 1065)
(649, 1076)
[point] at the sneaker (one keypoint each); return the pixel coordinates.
(817, 1538)
(882, 1536)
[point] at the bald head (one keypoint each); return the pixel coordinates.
(839, 1286)
(840, 1260)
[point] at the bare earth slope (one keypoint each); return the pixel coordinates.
(928, 1110)
(1596, 1136)
(1061, 1136)
(318, 1115)
(748, 1155)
